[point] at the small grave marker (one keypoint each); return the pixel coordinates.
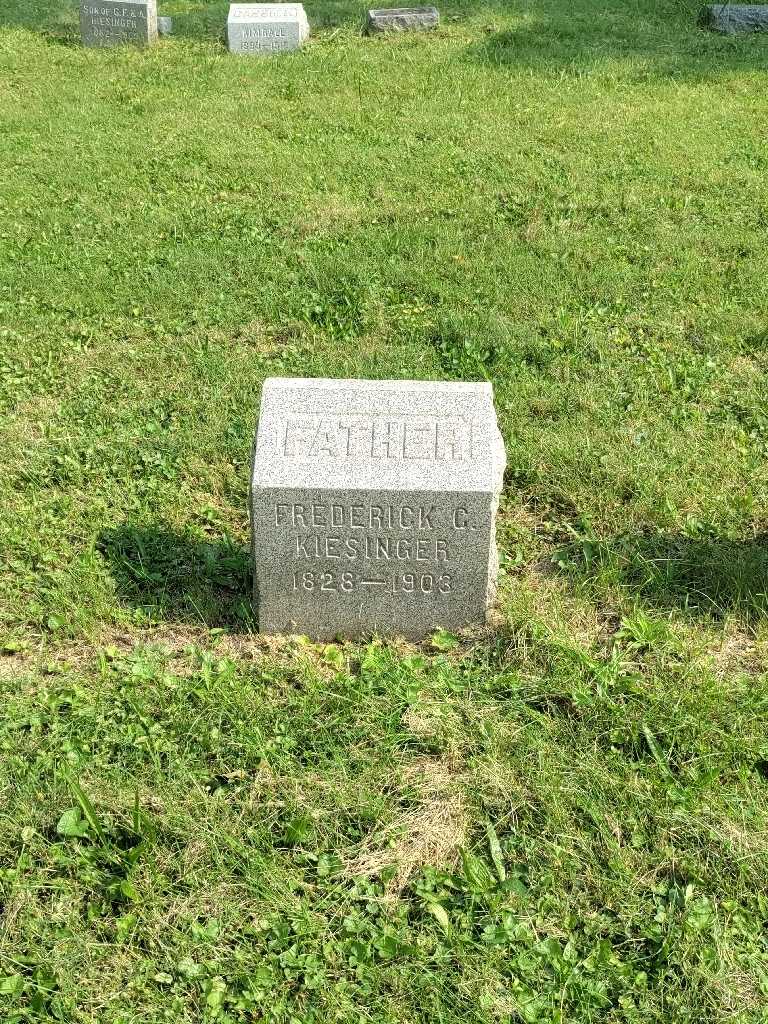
(266, 28)
(115, 22)
(373, 506)
(733, 18)
(402, 19)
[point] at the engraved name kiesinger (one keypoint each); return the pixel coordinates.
(448, 439)
(374, 522)
(106, 23)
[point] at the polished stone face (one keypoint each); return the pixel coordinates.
(373, 506)
(113, 23)
(266, 28)
(402, 19)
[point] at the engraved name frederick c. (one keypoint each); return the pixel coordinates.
(376, 524)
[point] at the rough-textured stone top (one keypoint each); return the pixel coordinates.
(732, 18)
(378, 435)
(402, 19)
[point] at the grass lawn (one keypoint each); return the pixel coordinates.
(559, 819)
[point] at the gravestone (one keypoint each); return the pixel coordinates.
(165, 26)
(402, 19)
(733, 18)
(266, 28)
(373, 506)
(114, 22)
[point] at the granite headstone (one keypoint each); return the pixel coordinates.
(402, 19)
(266, 28)
(733, 18)
(115, 22)
(373, 506)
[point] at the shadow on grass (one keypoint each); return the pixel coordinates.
(204, 21)
(664, 38)
(182, 577)
(711, 576)
(201, 21)
(58, 20)
(562, 34)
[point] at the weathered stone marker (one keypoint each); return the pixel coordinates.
(373, 506)
(266, 28)
(402, 19)
(114, 22)
(165, 26)
(733, 18)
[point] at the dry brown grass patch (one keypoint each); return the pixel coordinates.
(335, 214)
(735, 652)
(546, 597)
(429, 833)
(15, 666)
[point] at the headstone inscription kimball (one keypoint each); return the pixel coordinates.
(373, 506)
(266, 28)
(115, 22)
(401, 19)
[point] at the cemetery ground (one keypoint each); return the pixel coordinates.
(562, 817)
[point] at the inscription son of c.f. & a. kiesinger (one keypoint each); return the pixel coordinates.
(374, 521)
(112, 22)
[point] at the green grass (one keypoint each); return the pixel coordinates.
(562, 819)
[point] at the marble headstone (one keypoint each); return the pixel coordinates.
(402, 19)
(115, 22)
(373, 506)
(266, 28)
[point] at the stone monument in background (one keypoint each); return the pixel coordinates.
(115, 22)
(266, 28)
(373, 506)
(401, 19)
